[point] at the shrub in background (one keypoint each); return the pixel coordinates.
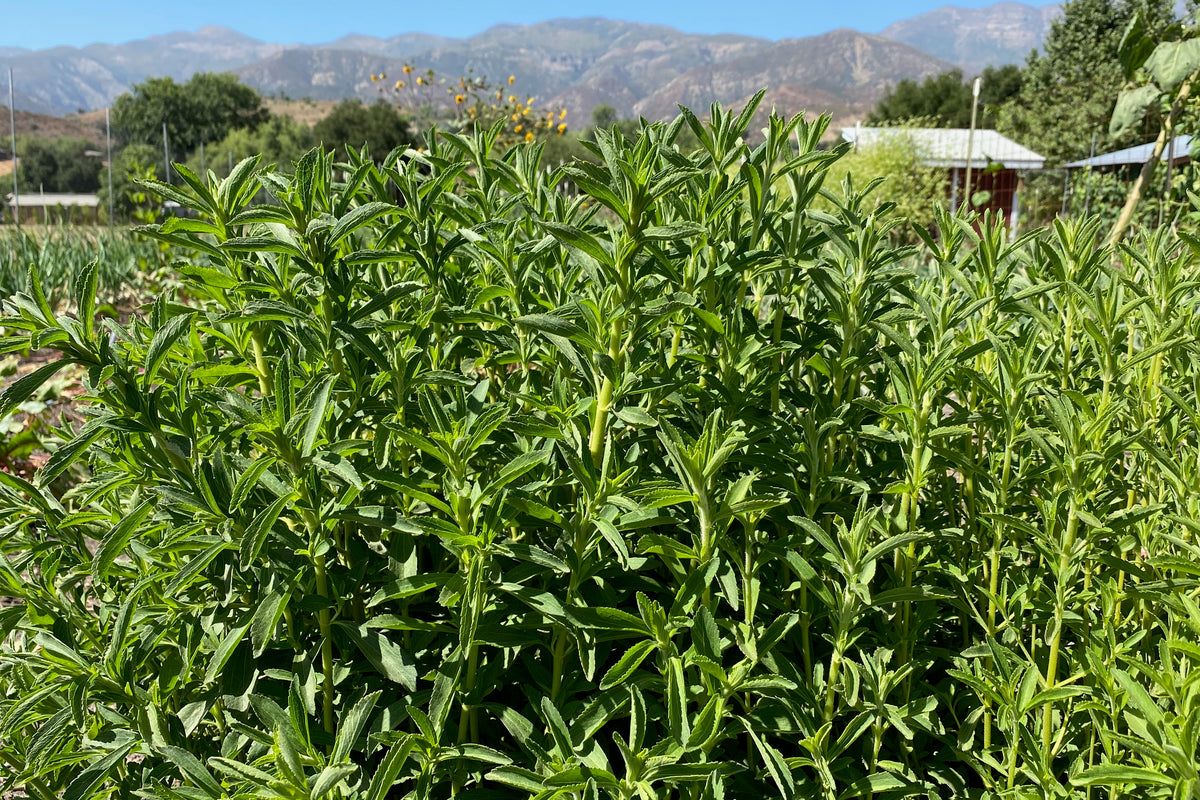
(914, 190)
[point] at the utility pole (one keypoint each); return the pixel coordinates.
(108, 145)
(12, 129)
(166, 156)
(971, 142)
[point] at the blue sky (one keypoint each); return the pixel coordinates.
(45, 23)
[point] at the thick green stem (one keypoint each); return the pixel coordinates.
(605, 397)
(600, 422)
(835, 669)
(994, 576)
(1064, 563)
(265, 375)
(468, 720)
(776, 335)
(325, 622)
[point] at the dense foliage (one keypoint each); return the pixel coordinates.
(204, 108)
(351, 124)
(446, 476)
(280, 141)
(945, 100)
(63, 164)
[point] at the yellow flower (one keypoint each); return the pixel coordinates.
(562, 128)
(511, 78)
(499, 95)
(420, 81)
(407, 69)
(374, 77)
(458, 98)
(399, 84)
(529, 137)
(516, 117)
(562, 114)
(529, 102)
(512, 98)
(382, 76)
(518, 129)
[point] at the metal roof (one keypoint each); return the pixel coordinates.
(947, 147)
(49, 200)
(1138, 154)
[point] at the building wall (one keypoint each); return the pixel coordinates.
(1000, 184)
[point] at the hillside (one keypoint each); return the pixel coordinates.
(841, 71)
(641, 70)
(975, 38)
(83, 126)
(575, 63)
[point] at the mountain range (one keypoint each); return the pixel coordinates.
(576, 64)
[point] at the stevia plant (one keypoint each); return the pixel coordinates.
(448, 476)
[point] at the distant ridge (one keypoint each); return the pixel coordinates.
(975, 38)
(640, 69)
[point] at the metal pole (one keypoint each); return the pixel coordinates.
(1167, 189)
(971, 142)
(1087, 188)
(166, 155)
(12, 129)
(1066, 183)
(1015, 212)
(108, 144)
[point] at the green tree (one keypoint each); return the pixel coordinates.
(604, 116)
(945, 100)
(58, 165)
(204, 109)
(129, 164)
(351, 123)
(280, 140)
(1070, 87)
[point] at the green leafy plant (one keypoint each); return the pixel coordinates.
(442, 475)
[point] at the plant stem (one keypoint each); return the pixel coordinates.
(1064, 563)
(325, 623)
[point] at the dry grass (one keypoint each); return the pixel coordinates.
(306, 112)
(89, 125)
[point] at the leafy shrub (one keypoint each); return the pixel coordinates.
(913, 189)
(351, 125)
(58, 165)
(665, 486)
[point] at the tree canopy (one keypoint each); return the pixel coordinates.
(58, 165)
(945, 100)
(351, 123)
(203, 109)
(280, 140)
(1070, 87)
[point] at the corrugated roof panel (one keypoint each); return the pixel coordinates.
(1138, 154)
(947, 147)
